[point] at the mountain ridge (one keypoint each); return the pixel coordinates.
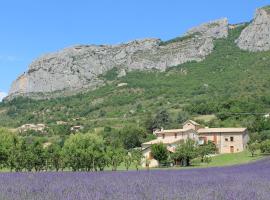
(227, 82)
(78, 68)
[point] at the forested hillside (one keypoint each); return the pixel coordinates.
(231, 87)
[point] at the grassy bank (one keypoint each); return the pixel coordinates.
(221, 161)
(228, 159)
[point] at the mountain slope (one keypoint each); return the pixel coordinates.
(78, 68)
(228, 81)
(229, 86)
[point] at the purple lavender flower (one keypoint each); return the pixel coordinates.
(247, 182)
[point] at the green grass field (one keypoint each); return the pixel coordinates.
(222, 160)
(228, 159)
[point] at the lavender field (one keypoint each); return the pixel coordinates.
(247, 182)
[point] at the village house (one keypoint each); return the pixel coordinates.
(33, 127)
(227, 140)
(61, 123)
(76, 128)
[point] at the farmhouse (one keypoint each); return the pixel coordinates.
(34, 127)
(227, 140)
(76, 128)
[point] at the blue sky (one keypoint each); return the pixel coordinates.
(31, 28)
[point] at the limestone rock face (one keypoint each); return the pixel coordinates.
(78, 68)
(256, 36)
(214, 29)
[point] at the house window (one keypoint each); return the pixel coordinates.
(231, 139)
(226, 140)
(175, 135)
(163, 136)
(201, 141)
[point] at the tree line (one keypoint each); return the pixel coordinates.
(91, 152)
(80, 152)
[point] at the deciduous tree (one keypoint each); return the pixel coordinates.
(206, 149)
(137, 156)
(253, 147)
(185, 152)
(159, 152)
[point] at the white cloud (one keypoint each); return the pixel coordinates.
(2, 95)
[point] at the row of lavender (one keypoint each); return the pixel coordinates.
(247, 182)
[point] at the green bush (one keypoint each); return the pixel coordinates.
(265, 147)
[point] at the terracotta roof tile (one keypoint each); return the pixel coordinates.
(221, 130)
(172, 131)
(168, 140)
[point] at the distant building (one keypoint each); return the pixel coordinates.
(76, 128)
(227, 140)
(121, 84)
(47, 144)
(61, 123)
(33, 127)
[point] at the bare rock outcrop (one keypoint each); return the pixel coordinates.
(256, 36)
(213, 29)
(79, 68)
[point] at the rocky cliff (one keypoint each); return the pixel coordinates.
(256, 36)
(78, 68)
